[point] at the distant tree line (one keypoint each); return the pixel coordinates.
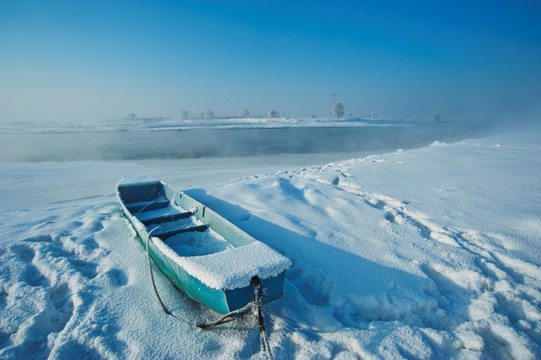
(338, 111)
(143, 119)
(209, 114)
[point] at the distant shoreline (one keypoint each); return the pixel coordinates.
(216, 124)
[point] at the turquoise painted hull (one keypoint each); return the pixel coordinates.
(139, 199)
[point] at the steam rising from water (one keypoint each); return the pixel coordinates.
(202, 143)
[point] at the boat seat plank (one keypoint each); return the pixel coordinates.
(144, 206)
(166, 218)
(167, 234)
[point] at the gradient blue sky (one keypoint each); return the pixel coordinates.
(86, 61)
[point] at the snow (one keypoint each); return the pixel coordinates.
(235, 268)
(426, 253)
(198, 243)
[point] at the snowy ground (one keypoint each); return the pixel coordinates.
(427, 253)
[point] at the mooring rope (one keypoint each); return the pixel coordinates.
(255, 307)
(234, 315)
(259, 293)
(152, 274)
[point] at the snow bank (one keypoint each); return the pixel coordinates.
(428, 253)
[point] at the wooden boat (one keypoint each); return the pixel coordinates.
(210, 259)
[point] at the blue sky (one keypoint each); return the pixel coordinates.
(86, 61)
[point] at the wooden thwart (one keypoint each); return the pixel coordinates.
(167, 218)
(167, 234)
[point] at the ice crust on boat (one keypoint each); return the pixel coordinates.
(232, 268)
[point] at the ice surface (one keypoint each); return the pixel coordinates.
(427, 253)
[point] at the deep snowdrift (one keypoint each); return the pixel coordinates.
(428, 253)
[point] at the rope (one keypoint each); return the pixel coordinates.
(152, 274)
(255, 307)
(259, 294)
(234, 315)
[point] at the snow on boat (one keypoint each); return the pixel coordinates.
(210, 259)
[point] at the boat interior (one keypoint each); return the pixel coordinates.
(179, 228)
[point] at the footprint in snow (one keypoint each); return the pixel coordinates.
(117, 277)
(376, 203)
(4, 339)
(86, 268)
(62, 300)
(390, 217)
(24, 252)
(3, 297)
(32, 276)
(44, 224)
(90, 243)
(32, 339)
(75, 224)
(40, 239)
(95, 225)
(83, 351)
(313, 285)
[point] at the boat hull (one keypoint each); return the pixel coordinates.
(221, 300)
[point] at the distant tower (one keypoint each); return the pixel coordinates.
(333, 101)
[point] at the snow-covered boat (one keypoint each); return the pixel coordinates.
(203, 254)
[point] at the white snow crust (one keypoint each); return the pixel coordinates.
(234, 268)
(430, 253)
